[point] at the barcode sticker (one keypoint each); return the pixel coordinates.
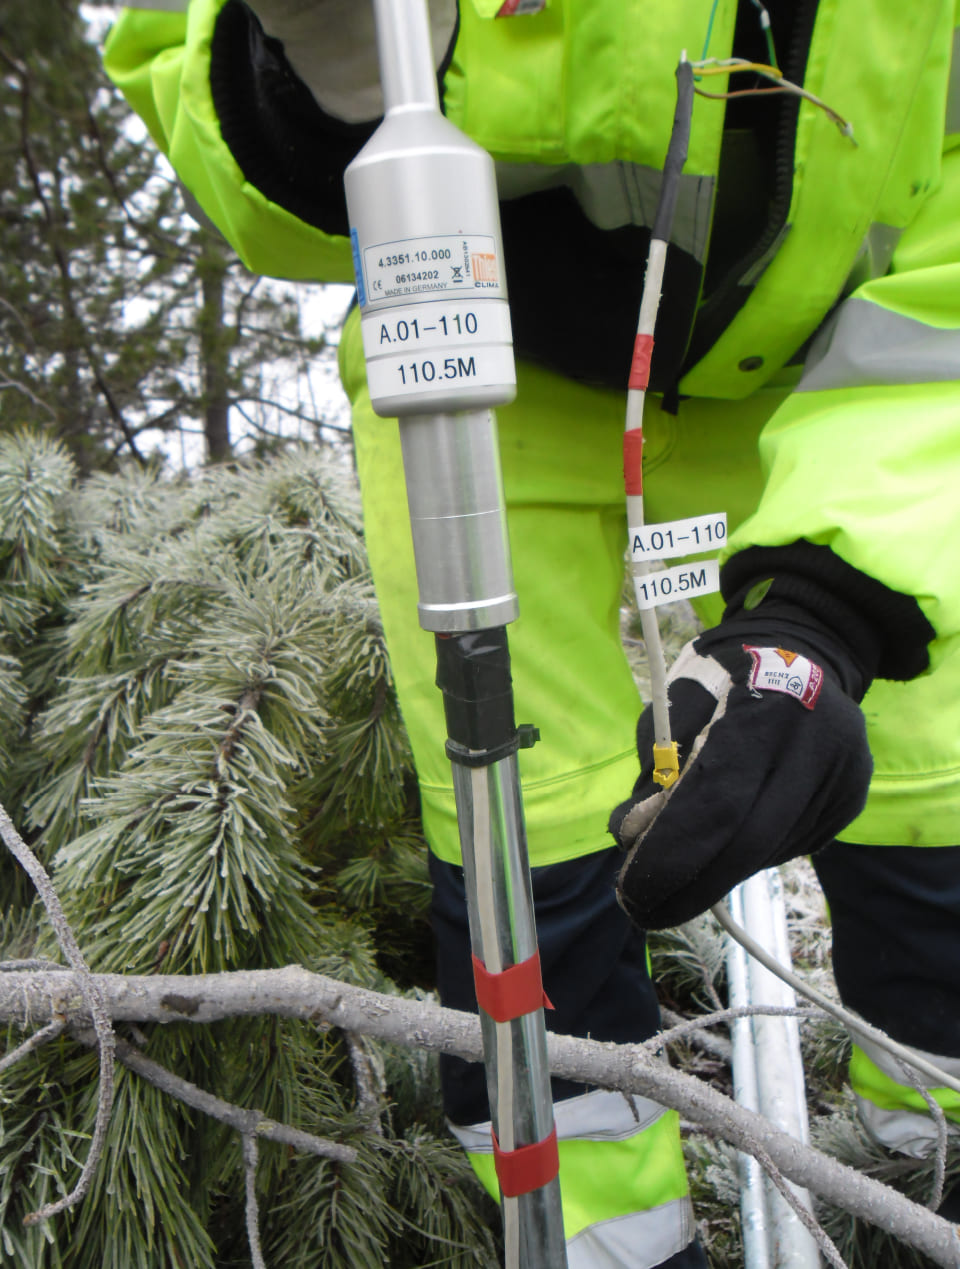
(442, 264)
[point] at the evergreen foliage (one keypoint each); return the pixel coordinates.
(201, 738)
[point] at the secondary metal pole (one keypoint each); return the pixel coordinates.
(768, 1075)
(436, 328)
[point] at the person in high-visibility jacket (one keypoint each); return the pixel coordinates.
(807, 382)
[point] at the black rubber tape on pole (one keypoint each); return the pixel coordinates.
(676, 153)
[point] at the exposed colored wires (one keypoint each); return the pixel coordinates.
(707, 37)
(739, 65)
(765, 28)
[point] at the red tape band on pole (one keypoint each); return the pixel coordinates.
(511, 993)
(527, 1168)
(633, 461)
(640, 365)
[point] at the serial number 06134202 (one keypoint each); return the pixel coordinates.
(425, 275)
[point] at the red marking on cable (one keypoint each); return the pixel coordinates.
(510, 8)
(511, 993)
(640, 365)
(527, 1168)
(633, 461)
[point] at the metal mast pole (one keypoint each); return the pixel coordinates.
(428, 259)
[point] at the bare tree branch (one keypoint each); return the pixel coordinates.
(682, 1028)
(940, 1119)
(823, 1240)
(95, 1006)
(369, 1078)
(253, 1215)
(294, 992)
(6, 383)
(715, 1046)
(54, 996)
(248, 1122)
(49, 1032)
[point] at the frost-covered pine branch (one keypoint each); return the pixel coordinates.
(202, 745)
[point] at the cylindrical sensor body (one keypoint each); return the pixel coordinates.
(428, 258)
(457, 517)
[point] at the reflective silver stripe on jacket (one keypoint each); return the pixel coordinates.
(874, 257)
(891, 1065)
(616, 194)
(639, 1240)
(909, 1132)
(864, 345)
(905, 1131)
(597, 1116)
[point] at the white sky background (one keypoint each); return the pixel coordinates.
(315, 388)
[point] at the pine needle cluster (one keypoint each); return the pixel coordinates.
(201, 739)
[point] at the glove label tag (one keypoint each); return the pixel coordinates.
(777, 670)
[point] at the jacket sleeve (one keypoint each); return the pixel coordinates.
(864, 456)
(271, 181)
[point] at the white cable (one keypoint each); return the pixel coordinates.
(939, 1078)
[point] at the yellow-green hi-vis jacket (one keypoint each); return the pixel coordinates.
(579, 98)
(796, 256)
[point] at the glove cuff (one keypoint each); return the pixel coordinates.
(883, 630)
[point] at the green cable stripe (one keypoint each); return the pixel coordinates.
(870, 1082)
(600, 1180)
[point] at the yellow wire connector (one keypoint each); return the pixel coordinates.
(666, 764)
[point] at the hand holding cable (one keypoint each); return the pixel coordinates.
(774, 760)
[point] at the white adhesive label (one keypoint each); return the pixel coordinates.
(489, 366)
(665, 541)
(449, 264)
(437, 345)
(778, 670)
(683, 581)
(435, 326)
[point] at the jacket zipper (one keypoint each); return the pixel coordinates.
(716, 314)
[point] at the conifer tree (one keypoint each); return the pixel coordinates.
(202, 741)
(119, 314)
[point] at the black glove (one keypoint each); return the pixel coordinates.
(773, 753)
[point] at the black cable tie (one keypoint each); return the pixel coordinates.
(525, 737)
